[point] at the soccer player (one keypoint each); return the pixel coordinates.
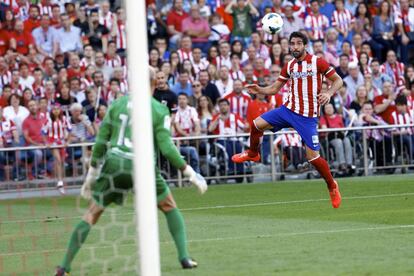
(301, 110)
(111, 184)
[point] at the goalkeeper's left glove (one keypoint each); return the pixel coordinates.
(86, 192)
(196, 179)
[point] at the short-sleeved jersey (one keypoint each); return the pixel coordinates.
(116, 131)
(306, 78)
(238, 103)
(231, 126)
(342, 19)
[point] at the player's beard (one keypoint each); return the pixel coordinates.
(298, 54)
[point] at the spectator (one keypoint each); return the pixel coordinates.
(227, 123)
(174, 22)
(187, 124)
(121, 31)
(15, 112)
(56, 130)
(219, 31)
(27, 96)
(212, 72)
(197, 28)
(227, 18)
(198, 62)
(106, 17)
(342, 69)
(114, 91)
(99, 84)
(48, 67)
(343, 21)
(224, 58)
(43, 36)
(26, 80)
(183, 85)
(91, 104)
(235, 71)
(67, 38)
(209, 89)
(32, 133)
(405, 24)
(102, 109)
(363, 22)
(76, 91)
(175, 63)
(351, 5)
(212, 54)
(378, 78)
(346, 48)
(251, 56)
(383, 30)
(363, 63)
(384, 104)
(360, 99)
(275, 55)
(379, 140)
(372, 91)
(33, 21)
(97, 34)
(242, 12)
(225, 83)
(205, 110)
(154, 58)
(237, 48)
(64, 99)
(187, 66)
(250, 78)
(6, 93)
(259, 69)
(393, 69)
(55, 20)
(8, 138)
(163, 94)
(338, 140)
(4, 40)
(318, 49)
(196, 94)
(292, 22)
(354, 79)
(113, 60)
(315, 23)
(261, 49)
(404, 139)
(161, 45)
(21, 40)
(101, 66)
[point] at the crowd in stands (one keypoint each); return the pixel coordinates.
(63, 62)
(206, 51)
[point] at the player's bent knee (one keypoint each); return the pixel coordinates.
(261, 124)
(93, 214)
(167, 204)
(311, 154)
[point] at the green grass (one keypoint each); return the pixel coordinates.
(284, 228)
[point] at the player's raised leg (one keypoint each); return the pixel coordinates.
(256, 133)
(78, 237)
(322, 167)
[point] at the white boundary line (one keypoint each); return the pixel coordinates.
(344, 230)
(220, 207)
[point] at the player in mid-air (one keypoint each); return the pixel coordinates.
(301, 111)
(114, 180)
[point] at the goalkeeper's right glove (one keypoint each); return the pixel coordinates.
(196, 179)
(90, 179)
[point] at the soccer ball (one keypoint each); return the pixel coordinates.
(272, 23)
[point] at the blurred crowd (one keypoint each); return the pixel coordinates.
(63, 62)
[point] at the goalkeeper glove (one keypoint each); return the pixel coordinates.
(196, 179)
(86, 192)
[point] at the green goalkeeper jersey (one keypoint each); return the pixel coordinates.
(115, 133)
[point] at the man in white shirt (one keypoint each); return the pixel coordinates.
(67, 38)
(225, 83)
(43, 36)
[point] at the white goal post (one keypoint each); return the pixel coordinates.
(144, 178)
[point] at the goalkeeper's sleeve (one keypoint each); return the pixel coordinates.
(162, 139)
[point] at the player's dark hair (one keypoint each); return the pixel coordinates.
(299, 35)
(223, 101)
(401, 100)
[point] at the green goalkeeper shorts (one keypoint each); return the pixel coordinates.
(116, 180)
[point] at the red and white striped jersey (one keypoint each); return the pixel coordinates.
(305, 83)
(124, 86)
(202, 65)
(317, 25)
(342, 20)
(38, 90)
(85, 63)
(183, 54)
(22, 12)
(6, 130)
(237, 75)
(403, 119)
(238, 103)
(114, 61)
(121, 35)
(289, 140)
(107, 20)
(394, 71)
(56, 131)
(17, 89)
(231, 126)
(86, 83)
(45, 9)
(186, 118)
(5, 79)
(220, 61)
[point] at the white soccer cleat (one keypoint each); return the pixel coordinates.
(61, 187)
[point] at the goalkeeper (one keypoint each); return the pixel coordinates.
(115, 179)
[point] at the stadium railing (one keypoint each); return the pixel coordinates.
(283, 157)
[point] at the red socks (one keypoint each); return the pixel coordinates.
(322, 167)
(255, 136)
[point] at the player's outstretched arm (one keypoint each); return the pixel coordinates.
(268, 90)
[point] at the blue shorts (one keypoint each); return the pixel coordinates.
(283, 117)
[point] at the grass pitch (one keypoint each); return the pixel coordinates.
(283, 228)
